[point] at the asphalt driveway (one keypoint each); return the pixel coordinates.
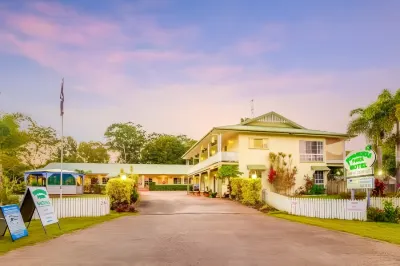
(175, 229)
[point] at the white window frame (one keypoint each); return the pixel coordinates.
(265, 145)
(319, 178)
(306, 151)
(178, 181)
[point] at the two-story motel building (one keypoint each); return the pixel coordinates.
(315, 153)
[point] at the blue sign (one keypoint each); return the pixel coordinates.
(13, 217)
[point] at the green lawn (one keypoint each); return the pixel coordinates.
(382, 231)
(36, 233)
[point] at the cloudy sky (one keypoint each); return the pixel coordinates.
(182, 67)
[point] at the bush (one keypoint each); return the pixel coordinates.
(392, 214)
(357, 195)
(119, 191)
(317, 190)
(375, 215)
(154, 187)
(134, 196)
(246, 190)
(389, 214)
(236, 188)
(379, 188)
(19, 188)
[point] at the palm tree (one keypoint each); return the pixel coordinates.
(379, 122)
(364, 124)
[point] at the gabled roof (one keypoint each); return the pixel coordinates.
(282, 130)
(272, 123)
(114, 169)
(272, 118)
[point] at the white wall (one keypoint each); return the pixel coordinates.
(276, 143)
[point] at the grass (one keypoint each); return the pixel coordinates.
(36, 233)
(388, 232)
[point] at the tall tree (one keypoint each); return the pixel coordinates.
(92, 152)
(70, 151)
(12, 138)
(378, 121)
(42, 145)
(363, 123)
(165, 149)
(128, 139)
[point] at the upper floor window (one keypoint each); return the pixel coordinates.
(311, 151)
(258, 143)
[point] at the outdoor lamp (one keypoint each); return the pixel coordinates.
(123, 177)
(254, 175)
(380, 172)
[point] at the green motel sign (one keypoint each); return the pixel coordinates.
(360, 163)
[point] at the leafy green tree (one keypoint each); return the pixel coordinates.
(228, 172)
(12, 138)
(379, 122)
(128, 139)
(70, 151)
(42, 145)
(165, 149)
(92, 152)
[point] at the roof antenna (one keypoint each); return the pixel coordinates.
(252, 108)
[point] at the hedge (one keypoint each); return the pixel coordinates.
(154, 187)
(246, 190)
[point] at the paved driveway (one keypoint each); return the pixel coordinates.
(175, 229)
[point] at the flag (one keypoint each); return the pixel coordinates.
(62, 98)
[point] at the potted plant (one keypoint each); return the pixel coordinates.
(213, 195)
(206, 193)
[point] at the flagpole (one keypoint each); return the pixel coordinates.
(62, 136)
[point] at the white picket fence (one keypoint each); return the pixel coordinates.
(319, 208)
(378, 202)
(80, 207)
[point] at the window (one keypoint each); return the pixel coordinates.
(258, 143)
(104, 180)
(68, 180)
(311, 151)
(94, 181)
(185, 180)
(177, 180)
(319, 178)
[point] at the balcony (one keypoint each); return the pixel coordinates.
(219, 157)
(309, 157)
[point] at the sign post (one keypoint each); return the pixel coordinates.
(359, 166)
(10, 217)
(37, 198)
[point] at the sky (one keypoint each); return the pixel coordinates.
(183, 67)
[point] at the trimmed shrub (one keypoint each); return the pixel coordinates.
(119, 191)
(154, 187)
(246, 190)
(357, 195)
(317, 190)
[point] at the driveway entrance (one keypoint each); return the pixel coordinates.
(175, 229)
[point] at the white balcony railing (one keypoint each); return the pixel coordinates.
(218, 157)
(308, 157)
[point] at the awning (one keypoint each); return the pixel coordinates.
(256, 167)
(320, 168)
